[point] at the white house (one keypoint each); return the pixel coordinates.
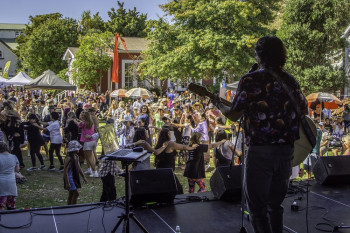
(6, 55)
(8, 34)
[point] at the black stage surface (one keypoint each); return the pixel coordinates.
(328, 206)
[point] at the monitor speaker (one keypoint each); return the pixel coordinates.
(332, 170)
(226, 183)
(156, 185)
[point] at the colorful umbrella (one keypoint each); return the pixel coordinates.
(118, 93)
(329, 101)
(139, 92)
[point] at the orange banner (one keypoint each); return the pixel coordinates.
(115, 68)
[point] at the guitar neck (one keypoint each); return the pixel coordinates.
(202, 91)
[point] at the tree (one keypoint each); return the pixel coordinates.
(91, 24)
(127, 23)
(36, 21)
(93, 58)
(208, 38)
(311, 31)
(47, 40)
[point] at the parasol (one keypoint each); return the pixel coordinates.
(118, 93)
(139, 92)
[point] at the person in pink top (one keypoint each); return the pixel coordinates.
(87, 130)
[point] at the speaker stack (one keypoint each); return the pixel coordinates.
(332, 170)
(156, 185)
(226, 183)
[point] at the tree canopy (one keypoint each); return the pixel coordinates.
(312, 32)
(93, 58)
(126, 23)
(91, 24)
(207, 38)
(45, 41)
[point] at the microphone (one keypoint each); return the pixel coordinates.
(253, 68)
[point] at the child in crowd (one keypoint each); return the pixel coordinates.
(72, 170)
(195, 170)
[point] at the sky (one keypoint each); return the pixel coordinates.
(18, 11)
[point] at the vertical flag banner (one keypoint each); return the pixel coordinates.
(115, 68)
(6, 69)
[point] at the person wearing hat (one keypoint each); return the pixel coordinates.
(164, 102)
(13, 129)
(212, 114)
(138, 104)
(72, 170)
(126, 134)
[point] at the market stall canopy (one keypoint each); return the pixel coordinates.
(50, 81)
(232, 86)
(3, 80)
(20, 79)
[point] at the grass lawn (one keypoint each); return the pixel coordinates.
(45, 188)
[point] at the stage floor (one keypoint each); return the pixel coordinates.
(327, 206)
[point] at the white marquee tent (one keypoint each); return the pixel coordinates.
(19, 80)
(2, 80)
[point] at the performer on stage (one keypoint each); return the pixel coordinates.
(271, 126)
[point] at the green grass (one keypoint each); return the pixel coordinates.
(45, 188)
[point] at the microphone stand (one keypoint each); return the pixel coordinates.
(242, 229)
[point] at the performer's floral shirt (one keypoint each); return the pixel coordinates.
(270, 117)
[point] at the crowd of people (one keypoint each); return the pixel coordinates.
(177, 128)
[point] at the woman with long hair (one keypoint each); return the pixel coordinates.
(166, 159)
(87, 130)
(223, 154)
(195, 169)
(188, 111)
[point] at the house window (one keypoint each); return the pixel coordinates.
(1, 54)
(17, 33)
(129, 75)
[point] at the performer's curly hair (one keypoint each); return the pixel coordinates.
(271, 52)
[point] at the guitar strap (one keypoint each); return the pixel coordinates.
(308, 132)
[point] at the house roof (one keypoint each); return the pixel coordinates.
(133, 44)
(346, 33)
(10, 42)
(4, 43)
(70, 53)
(12, 26)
